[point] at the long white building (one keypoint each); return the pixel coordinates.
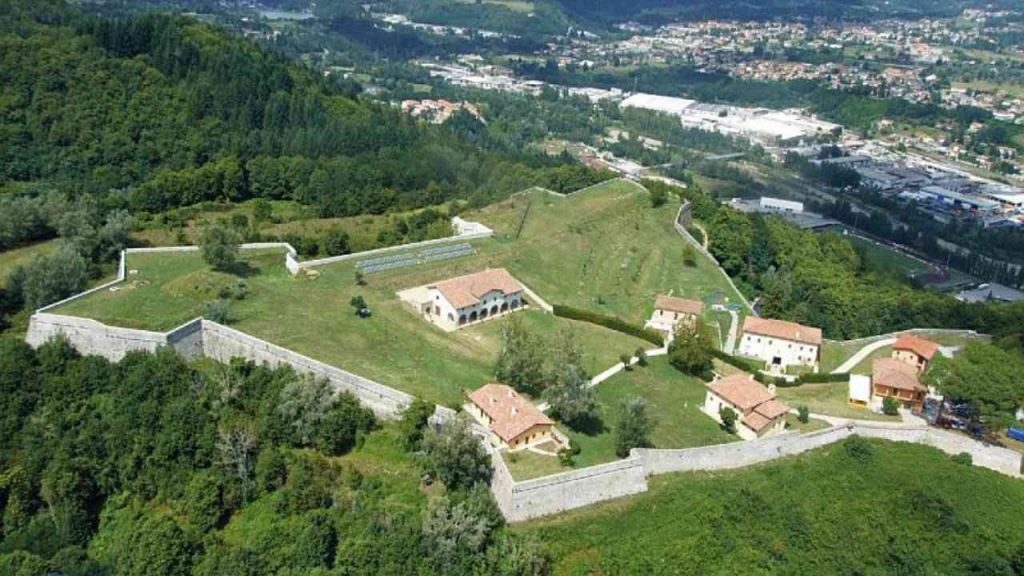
(780, 344)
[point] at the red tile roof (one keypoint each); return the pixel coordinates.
(742, 391)
(923, 348)
(511, 415)
(467, 290)
(782, 329)
(894, 373)
(681, 305)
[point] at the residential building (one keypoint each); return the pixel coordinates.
(472, 298)
(780, 344)
(758, 412)
(514, 422)
(914, 350)
(893, 378)
(671, 313)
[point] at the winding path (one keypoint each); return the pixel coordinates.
(863, 353)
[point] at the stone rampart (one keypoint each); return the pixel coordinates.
(222, 343)
(569, 490)
(91, 337)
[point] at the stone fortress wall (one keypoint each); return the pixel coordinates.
(561, 492)
(518, 500)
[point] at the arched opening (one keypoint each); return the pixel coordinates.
(504, 307)
(515, 304)
(472, 317)
(451, 318)
(483, 313)
(494, 309)
(462, 320)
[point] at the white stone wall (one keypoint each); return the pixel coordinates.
(222, 343)
(569, 490)
(91, 337)
(767, 348)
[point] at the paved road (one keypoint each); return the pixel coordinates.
(730, 344)
(862, 354)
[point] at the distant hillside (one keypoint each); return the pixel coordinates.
(160, 111)
(661, 10)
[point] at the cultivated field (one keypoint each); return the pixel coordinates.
(605, 250)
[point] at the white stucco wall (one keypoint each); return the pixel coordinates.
(767, 348)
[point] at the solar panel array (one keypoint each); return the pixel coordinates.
(396, 261)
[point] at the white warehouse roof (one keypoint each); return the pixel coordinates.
(666, 104)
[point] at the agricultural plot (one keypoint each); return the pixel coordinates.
(606, 250)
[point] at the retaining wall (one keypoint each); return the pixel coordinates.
(520, 501)
(198, 338)
(558, 493)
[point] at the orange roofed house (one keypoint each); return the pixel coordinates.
(914, 350)
(671, 313)
(894, 378)
(780, 344)
(471, 298)
(758, 412)
(514, 422)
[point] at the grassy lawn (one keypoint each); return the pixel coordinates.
(828, 399)
(812, 425)
(607, 245)
(865, 366)
(11, 259)
(886, 260)
(525, 465)
(817, 513)
(673, 400)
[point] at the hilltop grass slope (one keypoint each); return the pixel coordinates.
(605, 250)
(892, 509)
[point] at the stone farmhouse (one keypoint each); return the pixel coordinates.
(514, 422)
(472, 298)
(780, 344)
(895, 378)
(671, 313)
(914, 350)
(759, 413)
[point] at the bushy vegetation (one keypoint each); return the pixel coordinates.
(610, 322)
(155, 466)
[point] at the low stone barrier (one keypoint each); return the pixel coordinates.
(549, 495)
(198, 338)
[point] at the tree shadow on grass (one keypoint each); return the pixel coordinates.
(242, 269)
(588, 426)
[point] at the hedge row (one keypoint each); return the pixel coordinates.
(823, 377)
(610, 322)
(737, 362)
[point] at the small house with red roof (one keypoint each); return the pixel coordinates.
(672, 313)
(914, 350)
(514, 422)
(758, 412)
(897, 379)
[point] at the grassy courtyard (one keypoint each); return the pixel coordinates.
(829, 399)
(606, 250)
(819, 513)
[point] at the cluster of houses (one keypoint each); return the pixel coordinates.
(785, 348)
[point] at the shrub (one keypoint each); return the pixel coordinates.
(610, 322)
(858, 448)
(218, 311)
(624, 358)
(567, 456)
(803, 414)
(964, 458)
(823, 378)
(633, 427)
(890, 406)
(728, 416)
(690, 256)
(658, 197)
(691, 352)
(737, 362)
(219, 246)
(357, 302)
(336, 243)
(641, 356)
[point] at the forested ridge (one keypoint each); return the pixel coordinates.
(158, 111)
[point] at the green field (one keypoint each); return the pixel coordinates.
(828, 399)
(886, 260)
(834, 353)
(673, 401)
(24, 255)
(904, 509)
(607, 245)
